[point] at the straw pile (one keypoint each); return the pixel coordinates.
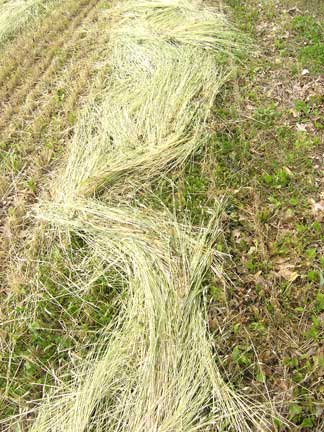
(155, 369)
(16, 14)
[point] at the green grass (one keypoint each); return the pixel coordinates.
(309, 35)
(52, 322)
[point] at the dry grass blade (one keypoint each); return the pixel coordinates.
(16, 14)
(155, 371)
(122, 139)
(162, 85)
(178, 22)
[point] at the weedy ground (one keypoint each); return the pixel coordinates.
(265, 162)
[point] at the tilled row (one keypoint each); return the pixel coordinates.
(43, 60)
(39, 113)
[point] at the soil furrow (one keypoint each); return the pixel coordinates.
(35, 89)
(35, 136)
(27, 76)
(13, 62)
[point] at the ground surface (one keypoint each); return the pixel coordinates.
(265, 162)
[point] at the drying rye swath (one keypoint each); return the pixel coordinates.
(155, 370)
(147, 122)
(16, 14)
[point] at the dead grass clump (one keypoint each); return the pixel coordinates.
(16, 14)
(155, 370)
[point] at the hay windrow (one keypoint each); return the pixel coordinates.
(156, 369)
(15, 15)
(157, 372)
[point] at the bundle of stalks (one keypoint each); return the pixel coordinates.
(155, 371)
(176, 21)
(142, 131)
(16, 14)
(154, 111)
